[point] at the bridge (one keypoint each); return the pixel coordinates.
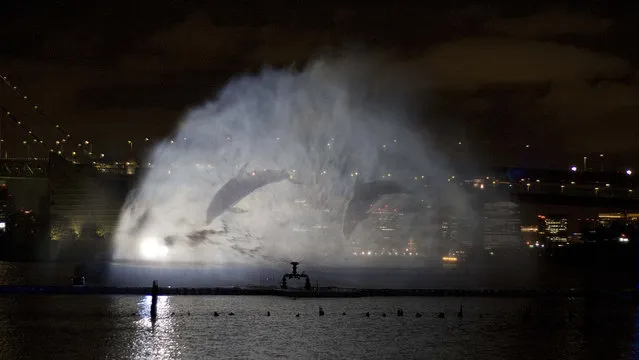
(536, 185)
(553, 187)
(24, 168)
(581, 188)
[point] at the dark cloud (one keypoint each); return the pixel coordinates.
(550, 23)
(505, 75)
(166, 92)
(530, 86)
(471, 63)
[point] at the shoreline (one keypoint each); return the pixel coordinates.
(322, 293)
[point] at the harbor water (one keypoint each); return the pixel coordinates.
(120, 327)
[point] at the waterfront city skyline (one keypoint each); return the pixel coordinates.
(231, 179)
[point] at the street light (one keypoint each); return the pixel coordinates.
(628, 172)
(573, 169)
(28, 148)
(130, 142)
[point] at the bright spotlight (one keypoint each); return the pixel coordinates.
(152, 248)
(629, 172)
(573, 169)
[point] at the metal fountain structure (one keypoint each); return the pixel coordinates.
(295, 275)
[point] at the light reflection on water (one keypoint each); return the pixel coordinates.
(119, 327)
(156, 339)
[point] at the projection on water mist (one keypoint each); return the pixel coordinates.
(283, 165)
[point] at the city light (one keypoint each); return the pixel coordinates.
(573, 168)
(628, 172)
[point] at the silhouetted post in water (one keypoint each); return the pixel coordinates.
(155, 290)
(321, 311)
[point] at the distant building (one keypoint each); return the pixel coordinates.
(449, 233)
(385, 237)
(501, 225)
(6, 208)
(605, 219)
(456, 233)
(529, 235)
(576, 238)
(394, 227)
(553, 230)
(83, 197)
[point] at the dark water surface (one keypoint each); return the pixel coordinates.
(119, 327)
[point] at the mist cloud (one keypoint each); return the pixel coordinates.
(338, 121)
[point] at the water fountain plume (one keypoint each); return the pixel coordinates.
(325, 128)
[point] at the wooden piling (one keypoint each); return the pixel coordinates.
(155, 290)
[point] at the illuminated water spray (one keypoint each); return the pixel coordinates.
(312, 135)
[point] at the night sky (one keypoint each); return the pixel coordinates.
(562, 79)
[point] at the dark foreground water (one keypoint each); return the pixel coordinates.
(119, 327)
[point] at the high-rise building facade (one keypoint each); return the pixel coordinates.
(385, 237)
(553, 230)
(456, 233)
(501, 223)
